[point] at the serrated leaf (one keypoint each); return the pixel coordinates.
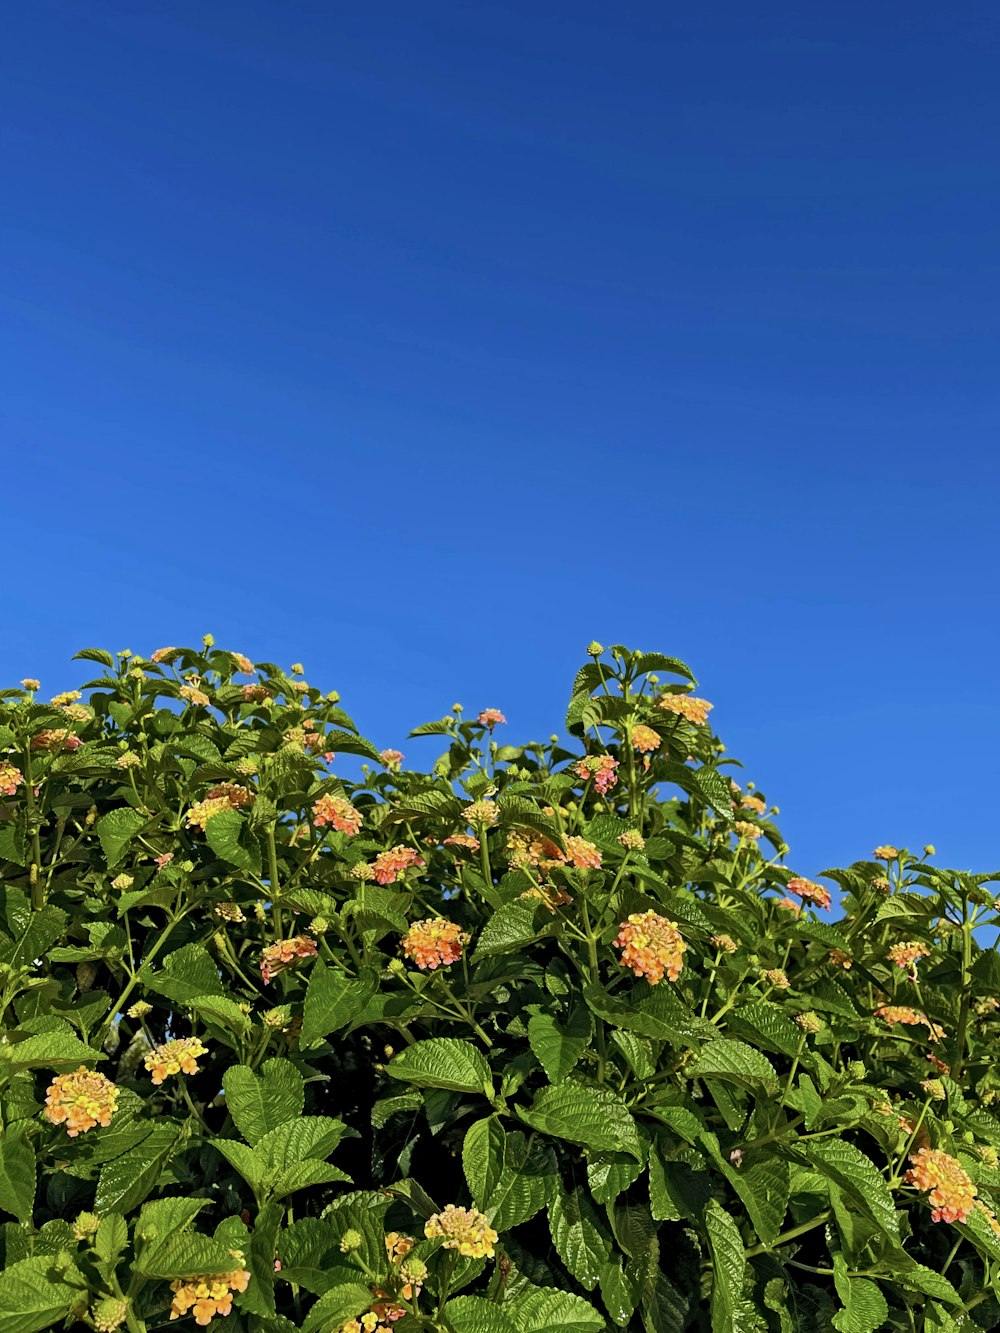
(728, 1268)
(17, 1172)
(261, 1102)
(549, 1310)
(232, 840)
(116, 830)
(443, 1062)
(865, 1308)
(59, 1050)
(579, 1237)
(558, 1046)
(593, 1116)
(32, 1297)
(335, 1307)
(525, 1184)
(483, 1158)
(735, 1062)
(126, 1181)
(187, 974)
(160, 1217)
(767, 1024)
(183, 1254)
(476, 1314)
(95, 655)
(858, 1176)
(509, 928)
(333, 1000)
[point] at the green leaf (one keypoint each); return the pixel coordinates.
(17, 1172)
(59, 1050)
(224, 1013)
(728, 1269)
(183, 1254)
(116, 830)
(126, 1181)
(593, 1116)
(32, 1297)
(476, 1314)
(509, 928)
(558, 1047)
(232, 840)
(736, 1062)
(304, 1175)
(333, 1000)
(95, 655)
(186, 975)
(483, 1158)
(443, 1062)
(111, 1238)
(768, 1025)
(334, 1308)
(306, 1136)
(578, 1236)
(548, 1310)
(525, 1185)
(652, 1011)
(658, 662)
(161, 1217)
(261, 1102)
(251, 1165)
(865, 1308)
(858, 1176)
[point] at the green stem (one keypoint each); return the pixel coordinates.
(792, 1234)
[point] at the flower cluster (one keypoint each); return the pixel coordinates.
(194, 695)
(901, 1013)
(391, 759)
(482, 812)
(367, 1323)
(908, 954)
(207, 1296)
(886, 853)
(724, 943)
(10, 778)
(632, 840)
(814, 893)
(743, 829)
(645, 739)
(55, 738)
(338, 812)
(841, 959)
(202, 811)
(255, 693)
(243, 663)
(80, 1101)
(179, 1056)
(390, 865)
(283, 954)
(582, 854)
(777, 977)
(465, 840)
(600, 768)
(755, 803)
(687, 706)
(651, 946)
(239, 798)
(464, 1229)
(434, 943)
(109, 1314)
(490, 717)
(952, 1194)
(535, 852)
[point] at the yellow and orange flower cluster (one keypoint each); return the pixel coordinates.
(390, 865)
(338, 812)
(434, 943)
(687, 706)
(464, 1229)
(255, 693)
(582, 854)
(10, 778)
(755, 803)
(482, 813)
(283, 954)
(391, 759)
(465, 840)
(243, 664)
(367, 1323)
(193, 694)
(724, 943)
(814, 893)
(886, 853)
(651, 946)
(841, 959)
(202, 811)
(166, 655)
(80, 1101)
(490, 717)
(908, 954)
(238, 797)
(645, 739)
(777, 977)
(743, 829)
(539, 852)
(599, 768)
(901, 1013)
(179, 1056)
(952, 1194)
(207, 1296)
(55, 738)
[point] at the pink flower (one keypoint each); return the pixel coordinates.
(599, 767)
(490, 717)
(391, 864)
(391, 759)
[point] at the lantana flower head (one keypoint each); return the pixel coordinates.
(524, 852)
(283, 954)
(645, 739)
(179, 1056)
(886, 853)
(388, 866)
(482, 813)
(338, 812)
(790, 905)
(755, 803)
(67, 697)
(582, 854)
(902, 1013)
(841, 959)
(30, 683)
(743, 829)
(601, 769)
(465, 840)
(651, 946)
(194, 694)
(80, 1101)
(552, 895)
(109, 1314)
(490, 717)
(724, 943)
(166, 655)
(632, 840)
(952, 1194)
(206, 1296)
(686, 706)
(55, 738)
(777, 977)
(239, 797)
(814, 893)
(391, 759)
(255, 693)
(809, 1022)
(202, 811)
(10, 778)
(464, 1229)
(908, 954)
(243, 664)
(434, 943)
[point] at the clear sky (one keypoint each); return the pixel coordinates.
(424, 343)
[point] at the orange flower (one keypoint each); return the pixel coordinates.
(255, 693)
(465, 840)
(952, 1193)
(742, 829)
(338, 812)
(206, 1296)
(805, 888)
(237, 796)
(10, 778)
(600, 768)
(651, 946)
(539, 851)
(179, 1056)
(645, 739)
(724, 943)
(55, 738)
(582, 854)
(391, 759)
(390, 865)
(901, 1013)
(164, 655)
(80, 1101)
(434, 943)
(490, 717)
(754, 803)
(687, 706)
(841, 959)
(790, 905)
(283, 954)
(886, 853)
(193, 695)
(908, 954)
(243, 664)
(202, 811)
(464, 1229)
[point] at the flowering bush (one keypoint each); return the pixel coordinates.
(548, 1037)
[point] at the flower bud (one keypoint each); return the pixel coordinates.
(595, 649)
(208, 640)
(351, 1240)
(86, 1226)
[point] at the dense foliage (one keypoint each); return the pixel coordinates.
(298, 1037)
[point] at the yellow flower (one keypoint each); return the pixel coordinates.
(174, 1057)
(202, 811)
(908, 954)
(651, 946)
(777, 977)
(743, 829)
(902, 1013)
(434, 943)
(80, 1101)
(632, 840)
(582, 854)
(206, 1296)
(10, 778)
(481, 812)
(886, 853)
(645, 739)
(725, 943)
(952, 1193)
(464, 1229)
(687, 706)
(30, 683)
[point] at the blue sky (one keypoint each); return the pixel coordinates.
(425, 343)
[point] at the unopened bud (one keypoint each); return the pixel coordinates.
(208, 640)
(595, 649)
(86, 1226)
(351, 1240)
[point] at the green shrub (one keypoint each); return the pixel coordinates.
(548, 1038)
